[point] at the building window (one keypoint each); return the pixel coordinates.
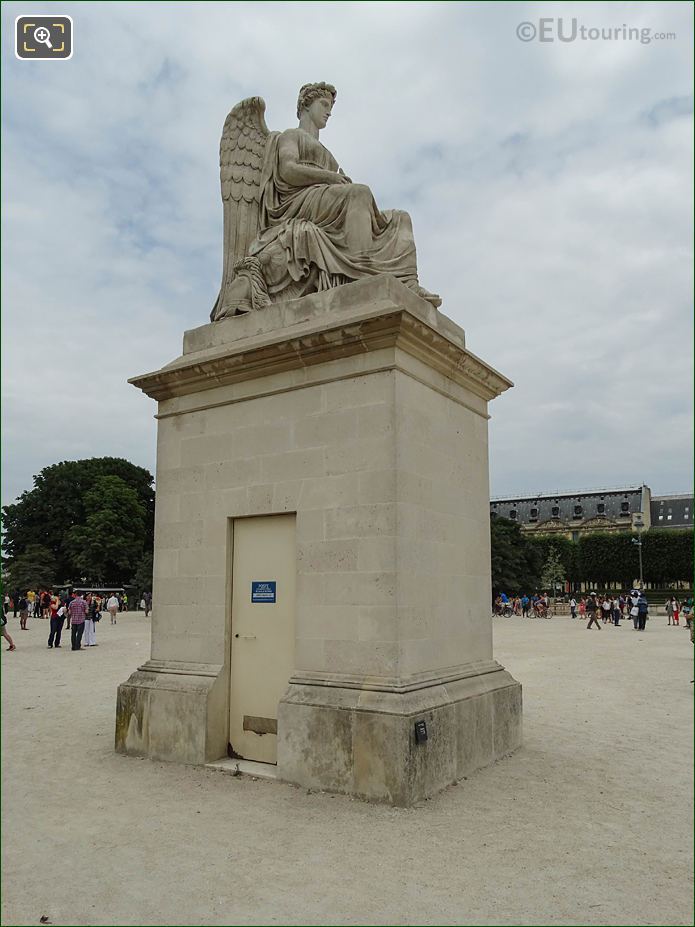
(661, 517)
(512, 514)
(577, 511)
(533, 514)
(625, 507)
(493, 514)
(686, 515)
(556, 511)
(669, 517)
(601, 508)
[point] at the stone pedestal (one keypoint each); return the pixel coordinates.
(361, 410)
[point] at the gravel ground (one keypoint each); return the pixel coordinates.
(590, 822)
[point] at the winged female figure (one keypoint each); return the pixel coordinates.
(294, 222)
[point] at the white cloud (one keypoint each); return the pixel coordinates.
(549, 186)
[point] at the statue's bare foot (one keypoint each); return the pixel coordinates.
(432, 298)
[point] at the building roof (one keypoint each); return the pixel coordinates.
(615, 506)
(673, 511)
(557, 494)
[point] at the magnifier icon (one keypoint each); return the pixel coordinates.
(43, 36)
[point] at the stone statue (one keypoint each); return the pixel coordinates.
(294, 222)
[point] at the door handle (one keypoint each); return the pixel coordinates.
(246, 637)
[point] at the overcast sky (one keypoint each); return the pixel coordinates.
(549, 185)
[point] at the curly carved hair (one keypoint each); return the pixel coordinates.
(310, 92)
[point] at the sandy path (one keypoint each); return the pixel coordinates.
(589, 823)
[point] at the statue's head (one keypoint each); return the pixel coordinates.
(309, 94)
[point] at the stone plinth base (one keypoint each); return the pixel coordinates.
(173, 711)
(362, 742)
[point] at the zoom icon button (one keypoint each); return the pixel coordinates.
(43, 38)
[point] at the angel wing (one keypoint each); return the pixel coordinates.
(242, 150)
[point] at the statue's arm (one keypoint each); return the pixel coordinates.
(297, 174)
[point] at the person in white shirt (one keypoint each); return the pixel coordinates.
(606, 609)
(573, 607)
(615, 605)
(112, 608)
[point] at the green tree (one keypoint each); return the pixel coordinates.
(667, 556)
(515, 562)
(565, 549)
(109, 545)
(608, 559)
(143, 575)
(46, 514)
(553, 573)
(34, 569)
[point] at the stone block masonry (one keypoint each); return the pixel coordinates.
(361, 410)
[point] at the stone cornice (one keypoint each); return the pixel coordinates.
(412, 683)
(330, 337)
(180, 668)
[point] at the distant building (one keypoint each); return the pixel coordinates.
(673, 511)
(574, 513)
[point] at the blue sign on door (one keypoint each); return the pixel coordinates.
(263, 592)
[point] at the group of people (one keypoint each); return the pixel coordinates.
(534, 606)
(675, 610)
(599, 609)
(612, 608)
(79, 614)
(38, 604)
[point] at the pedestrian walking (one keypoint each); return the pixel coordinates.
(90, 622)
(606, 609)
(56, 628)
(78, 612)
(5, 632)
(573, 607)
(634, 610)
(591, 610)
(642, 611)
(147, 598)
(23, 612)
(615, 605)
(112, 608)
(669, 610)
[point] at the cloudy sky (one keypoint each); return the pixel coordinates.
(549, 184)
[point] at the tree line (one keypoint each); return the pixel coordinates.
(92, 521)
(524, 563)
(88, 521)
